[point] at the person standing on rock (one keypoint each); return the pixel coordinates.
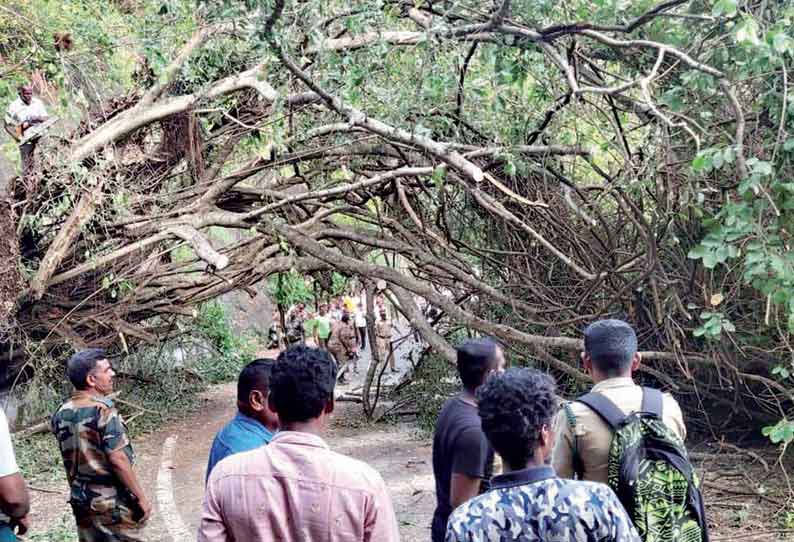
(296, 488)
(24, 113)
(462, 457)
(14, 498)
(108, 502)
(383, 330)
(342, 345)
(254, 424)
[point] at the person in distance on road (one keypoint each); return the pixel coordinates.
(254, 424)
(296, 488)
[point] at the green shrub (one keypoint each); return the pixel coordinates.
(232, 351)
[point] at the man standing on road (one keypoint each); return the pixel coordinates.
(360, 319)
(322, 328)
(296, 488)
(14, 498)
(22, 114)
(462, 457)
(342, 345)
(255, 424)
(528, 501)
(108, 502)
(383, 330)
(610, 357)
(296, 330)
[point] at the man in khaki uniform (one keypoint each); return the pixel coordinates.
(383, 332)
(583, 438)
(108, 502)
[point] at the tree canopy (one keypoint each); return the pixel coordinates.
(524, 166)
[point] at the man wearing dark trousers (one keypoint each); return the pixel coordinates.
(462, 456)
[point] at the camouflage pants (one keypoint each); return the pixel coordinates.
(114, 525)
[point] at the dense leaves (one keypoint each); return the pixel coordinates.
(524, 166)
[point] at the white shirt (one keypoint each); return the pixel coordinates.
(8, 463)
(361, 319)
(18, 112)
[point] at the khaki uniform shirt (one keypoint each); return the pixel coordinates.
(593, 435)
(383, 329)
(343, 337)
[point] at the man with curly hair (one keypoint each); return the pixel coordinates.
(528, 501)
(462, 457)
(296, 488)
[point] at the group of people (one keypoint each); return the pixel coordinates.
(340, 328)
(271, 475)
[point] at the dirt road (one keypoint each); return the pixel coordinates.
(172, 463)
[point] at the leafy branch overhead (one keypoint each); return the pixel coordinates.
(524, 166)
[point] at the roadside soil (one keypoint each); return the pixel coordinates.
(746, 491)
(396, 451)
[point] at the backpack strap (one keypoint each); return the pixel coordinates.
(606, 409)
(576, 459)
(652, 402)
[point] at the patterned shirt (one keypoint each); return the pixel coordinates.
(533, 505)
(88, 429)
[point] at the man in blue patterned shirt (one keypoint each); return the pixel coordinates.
(529, 503)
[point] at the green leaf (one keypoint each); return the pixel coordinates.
(724, 7)
(789, 144)
(701, 163)
(697, 253)
(781, 43)
(762, 168)
(747, 33)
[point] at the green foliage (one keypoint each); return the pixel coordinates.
(63, 532)
(714, 323)
(780, 433)
(232, 351)
(434, 382)
(287, 289)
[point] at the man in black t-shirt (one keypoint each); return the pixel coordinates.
(462, 456)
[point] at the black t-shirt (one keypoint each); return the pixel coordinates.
(459, 446)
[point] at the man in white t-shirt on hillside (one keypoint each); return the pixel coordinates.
(14, 499)
(24, 113)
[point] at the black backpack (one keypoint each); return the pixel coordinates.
(649, 470)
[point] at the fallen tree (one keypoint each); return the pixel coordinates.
(523, 177)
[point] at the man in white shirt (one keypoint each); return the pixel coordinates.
(14, 499)
(24, 113)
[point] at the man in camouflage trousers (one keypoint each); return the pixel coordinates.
(108, 502)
